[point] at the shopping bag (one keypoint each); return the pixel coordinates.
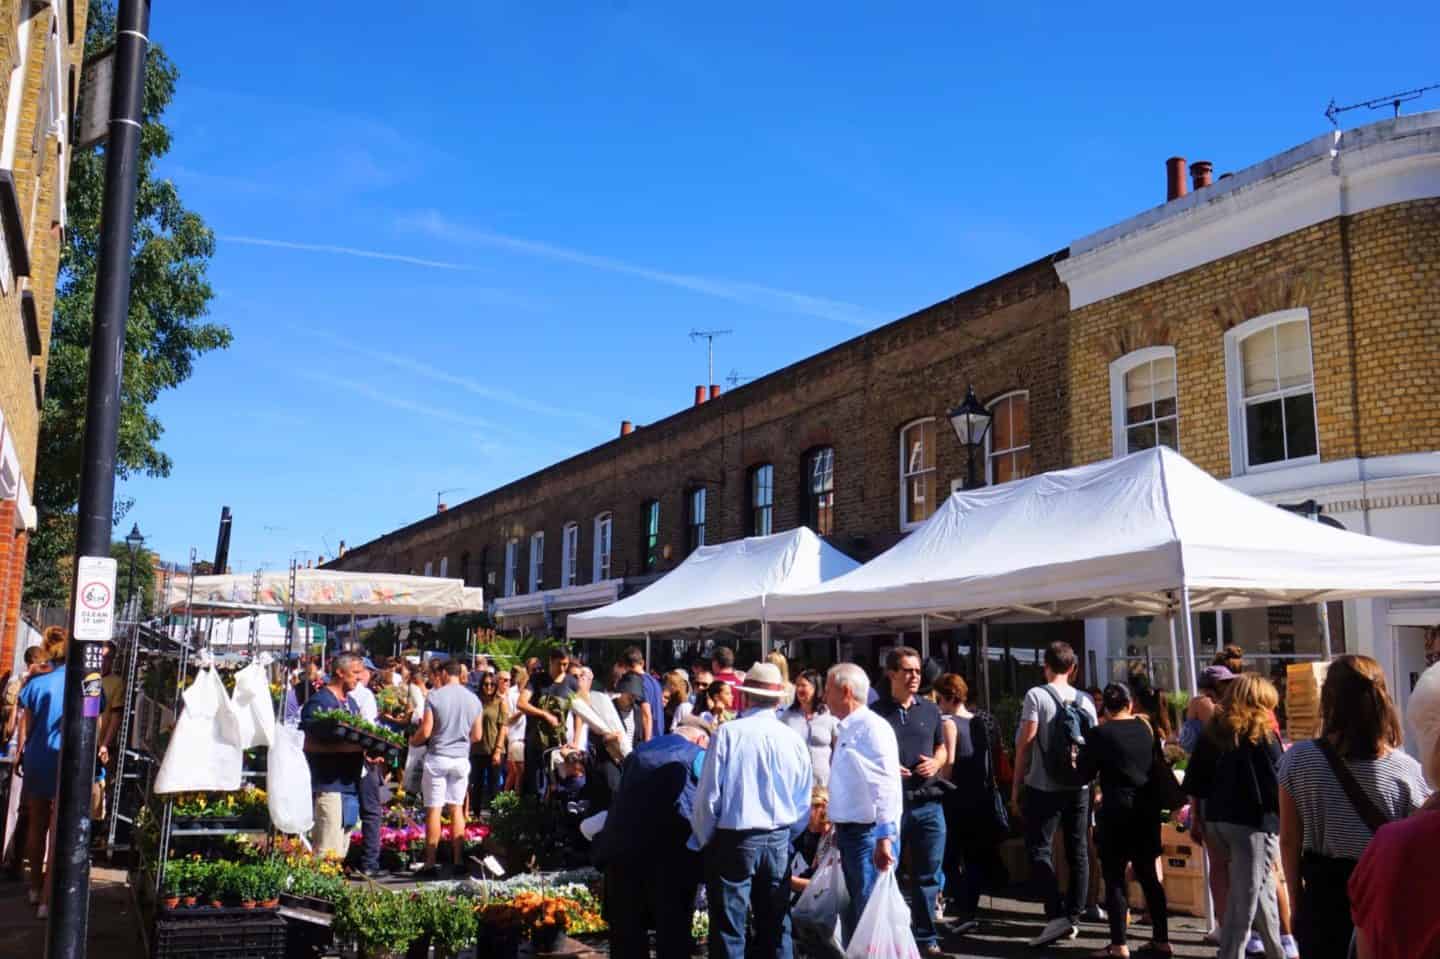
(254, 711)
(204, 752)
(816, 914)
(884, 927)
(414, 770)
(288, 778)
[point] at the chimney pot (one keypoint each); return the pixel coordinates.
(626, 427)
(714, 391)
(1175, 186)
(699, 395)
(440, 507)
(1201, 173)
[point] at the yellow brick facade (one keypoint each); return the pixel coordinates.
(1371, 283)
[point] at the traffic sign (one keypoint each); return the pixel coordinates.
(95, 599)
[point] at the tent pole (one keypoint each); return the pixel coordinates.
(1194, 661)
(924, 638)
(985, 661)
(1175, 678)
(764, 638)
(1322, 609)
(647, 650)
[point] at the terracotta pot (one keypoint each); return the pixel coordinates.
(247, 903)
(216, 904)
(189, 901)
(271, 903)
(171, 902)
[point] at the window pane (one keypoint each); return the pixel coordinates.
(1168, 433)
(1264, 433)
(920, 447)
(1293, 354)
(1021, 468)
(1000, 433)
(1257, 356)
(762, 485)
(1139, 438)
(825, 514)
(822, 470)
(1163, 382)
(1139, 394)
(1019, 420)
(1300, 425)
(920, 497)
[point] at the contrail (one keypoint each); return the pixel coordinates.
(348, 251)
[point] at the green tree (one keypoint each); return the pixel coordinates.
(144, 582)
(169, 299)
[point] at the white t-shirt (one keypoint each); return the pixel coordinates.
(365, 699)
(517, 731)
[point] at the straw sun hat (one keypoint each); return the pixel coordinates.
(763, 680)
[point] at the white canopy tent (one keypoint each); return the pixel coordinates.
(718, 585)
(326, 592)
(1146, 534)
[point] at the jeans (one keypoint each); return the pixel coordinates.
(922, 832)
(370, 812)
(485, 779)
(856, 842)
(659, 892)
(1252, 856)
(1070, 809)
(749, 871)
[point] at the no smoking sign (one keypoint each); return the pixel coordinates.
(95, 599)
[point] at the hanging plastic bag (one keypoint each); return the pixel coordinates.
(884, 927)
(817, 912)
(288, 776)
(414, 770)
(204, 750)
(253, 708)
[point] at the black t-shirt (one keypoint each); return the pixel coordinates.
(918, 732)
(1238, 785)
(542, 687)
(1121, 751)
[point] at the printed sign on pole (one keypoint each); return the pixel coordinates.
(95, 599)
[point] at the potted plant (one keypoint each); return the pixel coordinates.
(501, 926)
(381, 924)
(215, 885)
(173, 883)
(450, 924)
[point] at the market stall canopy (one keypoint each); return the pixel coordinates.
(1117, 538)
(718, 586)
(325, 591)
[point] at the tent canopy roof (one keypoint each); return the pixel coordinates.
(1116, 538)
(326, 591)
(718, 586)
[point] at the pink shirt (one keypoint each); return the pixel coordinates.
(1396, 874)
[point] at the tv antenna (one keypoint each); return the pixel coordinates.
(441, 492)
(709, 337)
(736, 378)
(1391, 100)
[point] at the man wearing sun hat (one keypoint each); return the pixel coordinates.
(752, 799)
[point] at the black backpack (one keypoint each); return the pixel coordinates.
(1060, 746)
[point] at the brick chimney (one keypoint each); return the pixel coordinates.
(699, 395)
(626, 427)
(440, 507)
(1201, 173)
(1175, 186)
(714, 391)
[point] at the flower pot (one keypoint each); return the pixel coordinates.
(247, 903)
(216, 904)
(189, 901)
(271, 903)
(171, 902)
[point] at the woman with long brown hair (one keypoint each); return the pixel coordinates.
(1335, 792)
(1232, 774)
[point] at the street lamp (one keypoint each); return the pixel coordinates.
(133, 542)
(971, 422)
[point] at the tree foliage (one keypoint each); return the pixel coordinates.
(169, 299)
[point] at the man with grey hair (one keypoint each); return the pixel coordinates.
(865, 801)
(335, 764)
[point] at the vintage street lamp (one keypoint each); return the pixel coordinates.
(133, 542)
(971, 422)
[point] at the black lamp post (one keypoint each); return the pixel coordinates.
(133, 542)
(971, 422)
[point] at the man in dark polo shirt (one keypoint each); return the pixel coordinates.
(922, 822)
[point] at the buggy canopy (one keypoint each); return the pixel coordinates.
(1118, 538)
(718, 586)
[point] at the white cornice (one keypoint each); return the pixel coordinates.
(1369, 167)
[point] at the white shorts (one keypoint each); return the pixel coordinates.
(445, 781)
(517, 751)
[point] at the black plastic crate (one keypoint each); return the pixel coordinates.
(262, 937)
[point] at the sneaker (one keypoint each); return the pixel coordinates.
(1255, 947)
(1056, 929)
(1095, 914)
(1291, 947)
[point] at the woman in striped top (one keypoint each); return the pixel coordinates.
(1325, 826)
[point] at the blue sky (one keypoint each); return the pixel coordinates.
(458, 242)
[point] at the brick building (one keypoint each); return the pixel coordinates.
(1279, 325)
(41, 50)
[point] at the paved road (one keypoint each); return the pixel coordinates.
(114, 930)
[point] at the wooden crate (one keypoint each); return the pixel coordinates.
(1185, 894)
(1302, 699)
(1180, 854)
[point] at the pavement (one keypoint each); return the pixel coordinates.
(114, 931)
(1008, 923)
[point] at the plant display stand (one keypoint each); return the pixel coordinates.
(259, 935)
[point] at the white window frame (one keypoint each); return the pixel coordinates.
(569, 553)
(811, 457)
(1119, 429)
(1235, 390)
(429, 567)
(512, 555)
(537, 560)
(990, 433)
(604, 549)
(756, 506)
(444, 566)
(697, 495)
(905, 474)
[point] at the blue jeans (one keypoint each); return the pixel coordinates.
(922, 832)
(749, 871)
(1070, 809)
(856, 842)
(370, 813)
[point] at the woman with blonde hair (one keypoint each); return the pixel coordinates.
(676, 698)
(1233, 776)
(778, 660)
(1336, 792)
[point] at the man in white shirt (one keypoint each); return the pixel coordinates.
(865, 803)
(1053, 794)
(752, 800)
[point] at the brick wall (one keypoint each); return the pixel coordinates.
(1375, 267)
(1002, 336)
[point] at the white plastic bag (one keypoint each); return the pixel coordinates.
(414, 770)
(817, 912)
(884, 927)
(204, 750)
(288, 776)
(254, 711)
